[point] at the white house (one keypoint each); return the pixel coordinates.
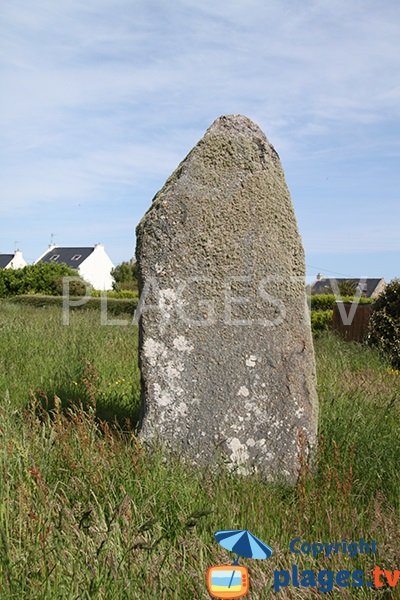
(92, 263)
(12, 261)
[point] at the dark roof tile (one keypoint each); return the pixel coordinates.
(321, 286)
(5, 259)
(73, 257)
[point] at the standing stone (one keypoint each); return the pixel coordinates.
(225, 347)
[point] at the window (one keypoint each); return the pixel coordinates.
(76, 257)
(54, 257)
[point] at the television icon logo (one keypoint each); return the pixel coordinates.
(228, 581)
(232, 581)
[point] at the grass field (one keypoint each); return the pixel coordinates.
(86, 512)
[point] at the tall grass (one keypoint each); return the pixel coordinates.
(83, 361)
(87, 512)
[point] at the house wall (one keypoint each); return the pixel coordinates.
(18, 262)
(96, 269)
(379, 289)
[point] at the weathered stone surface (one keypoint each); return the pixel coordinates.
(224, 377)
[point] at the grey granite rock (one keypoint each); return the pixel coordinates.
(225, 347)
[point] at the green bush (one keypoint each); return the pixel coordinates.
(384, 325)
(42, 278)
(116, 294)
(125, 276)
(327, 301)
(322, 302)
(321, 320)
(115, 306)
(76, 287)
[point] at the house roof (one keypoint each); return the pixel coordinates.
(5, 259)
(370, 284)
(73, 257)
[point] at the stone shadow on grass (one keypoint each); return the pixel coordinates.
(116, 410)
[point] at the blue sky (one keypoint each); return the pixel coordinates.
(102, 99)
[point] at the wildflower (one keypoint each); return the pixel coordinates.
(393, 371)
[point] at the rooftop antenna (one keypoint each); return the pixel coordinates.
(16, 242)
(52, 239)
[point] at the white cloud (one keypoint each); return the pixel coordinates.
(112, 93)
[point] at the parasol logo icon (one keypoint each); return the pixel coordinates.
(233, 581)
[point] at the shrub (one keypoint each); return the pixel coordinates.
(125, 276)
(115, 306)
(321, 320)
(42, 278)
(384, 325)
(131, 294)
(76, 287)
(327, 301)
(323, 302)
